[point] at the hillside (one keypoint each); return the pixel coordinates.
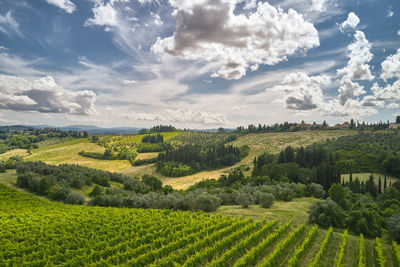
(258, 143)
(39, 232)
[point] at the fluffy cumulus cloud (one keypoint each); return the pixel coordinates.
(352, 108)
(349, 89)
(104, 14)
(140, 116)
(391, 66)
(43, 95)
(8, 24)
(390, 69)
(393, 105)
(351, 21)
(66, 5)
(302, 92)
(198, 117)
(212, 31)
(318, 5)
(359, 55)
(182, 116)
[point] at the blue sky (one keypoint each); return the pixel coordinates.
(198, 63)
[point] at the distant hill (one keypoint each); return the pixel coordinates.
(87, 128)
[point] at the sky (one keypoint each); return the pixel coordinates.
(198, 63)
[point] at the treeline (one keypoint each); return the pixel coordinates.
(313, 164)
(208, 195)
(109, 154)
(360, 213)
(367, 152)
(56, 182)
(158, 129)
(279, 127)
(153, 139)
(186, 159)
(153, 147)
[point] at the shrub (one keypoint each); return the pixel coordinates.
(266, 200)
(75, 198)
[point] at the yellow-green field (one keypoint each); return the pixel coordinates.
(12, 153)
(294, 211)
(363, 177)
(68, 153)
(135, 138)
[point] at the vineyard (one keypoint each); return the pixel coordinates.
(36, 232)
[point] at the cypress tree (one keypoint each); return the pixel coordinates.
(384, 183)
(379, 186)
(351, 178)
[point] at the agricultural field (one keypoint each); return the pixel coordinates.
(38, 232)
(283, 211)
(363, 177)
(68, 153)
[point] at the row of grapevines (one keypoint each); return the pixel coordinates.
(379, 258)
(200, 244)
(294, 260)
(202, 257)
(339, 261)
(272, 259)
(322, 249)
(361, 251)
(251, 258)
(153, 255)
(236, 251)
(396, 253)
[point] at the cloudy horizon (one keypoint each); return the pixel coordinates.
(198, 63)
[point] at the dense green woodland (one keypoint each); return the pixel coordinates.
(368, 152)
(187, 159)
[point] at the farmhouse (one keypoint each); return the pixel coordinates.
(394, 126)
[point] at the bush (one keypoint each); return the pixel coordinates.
(152, 181)
(97, 191)
(58, 192)
(394, 226)
(327, 213)
(315, 190)
(266, 200)
(205, 202)
(75, 198)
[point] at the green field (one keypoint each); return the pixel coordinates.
(38, 232)
(294, 211)
(363, 177)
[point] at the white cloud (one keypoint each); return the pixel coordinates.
(351, 21)
(198, 117)
(388, 92)
(104, 14)
(359, 54)
(389, 12)
(211, 31)
(129, 82)
(391, 66)
(349, 89)
(352, 109)
(318, 5)
(398, 32)
(393, 105)
(145, 116)
(67, 5)
(8, 24)
(43, 95)
(302, 92)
